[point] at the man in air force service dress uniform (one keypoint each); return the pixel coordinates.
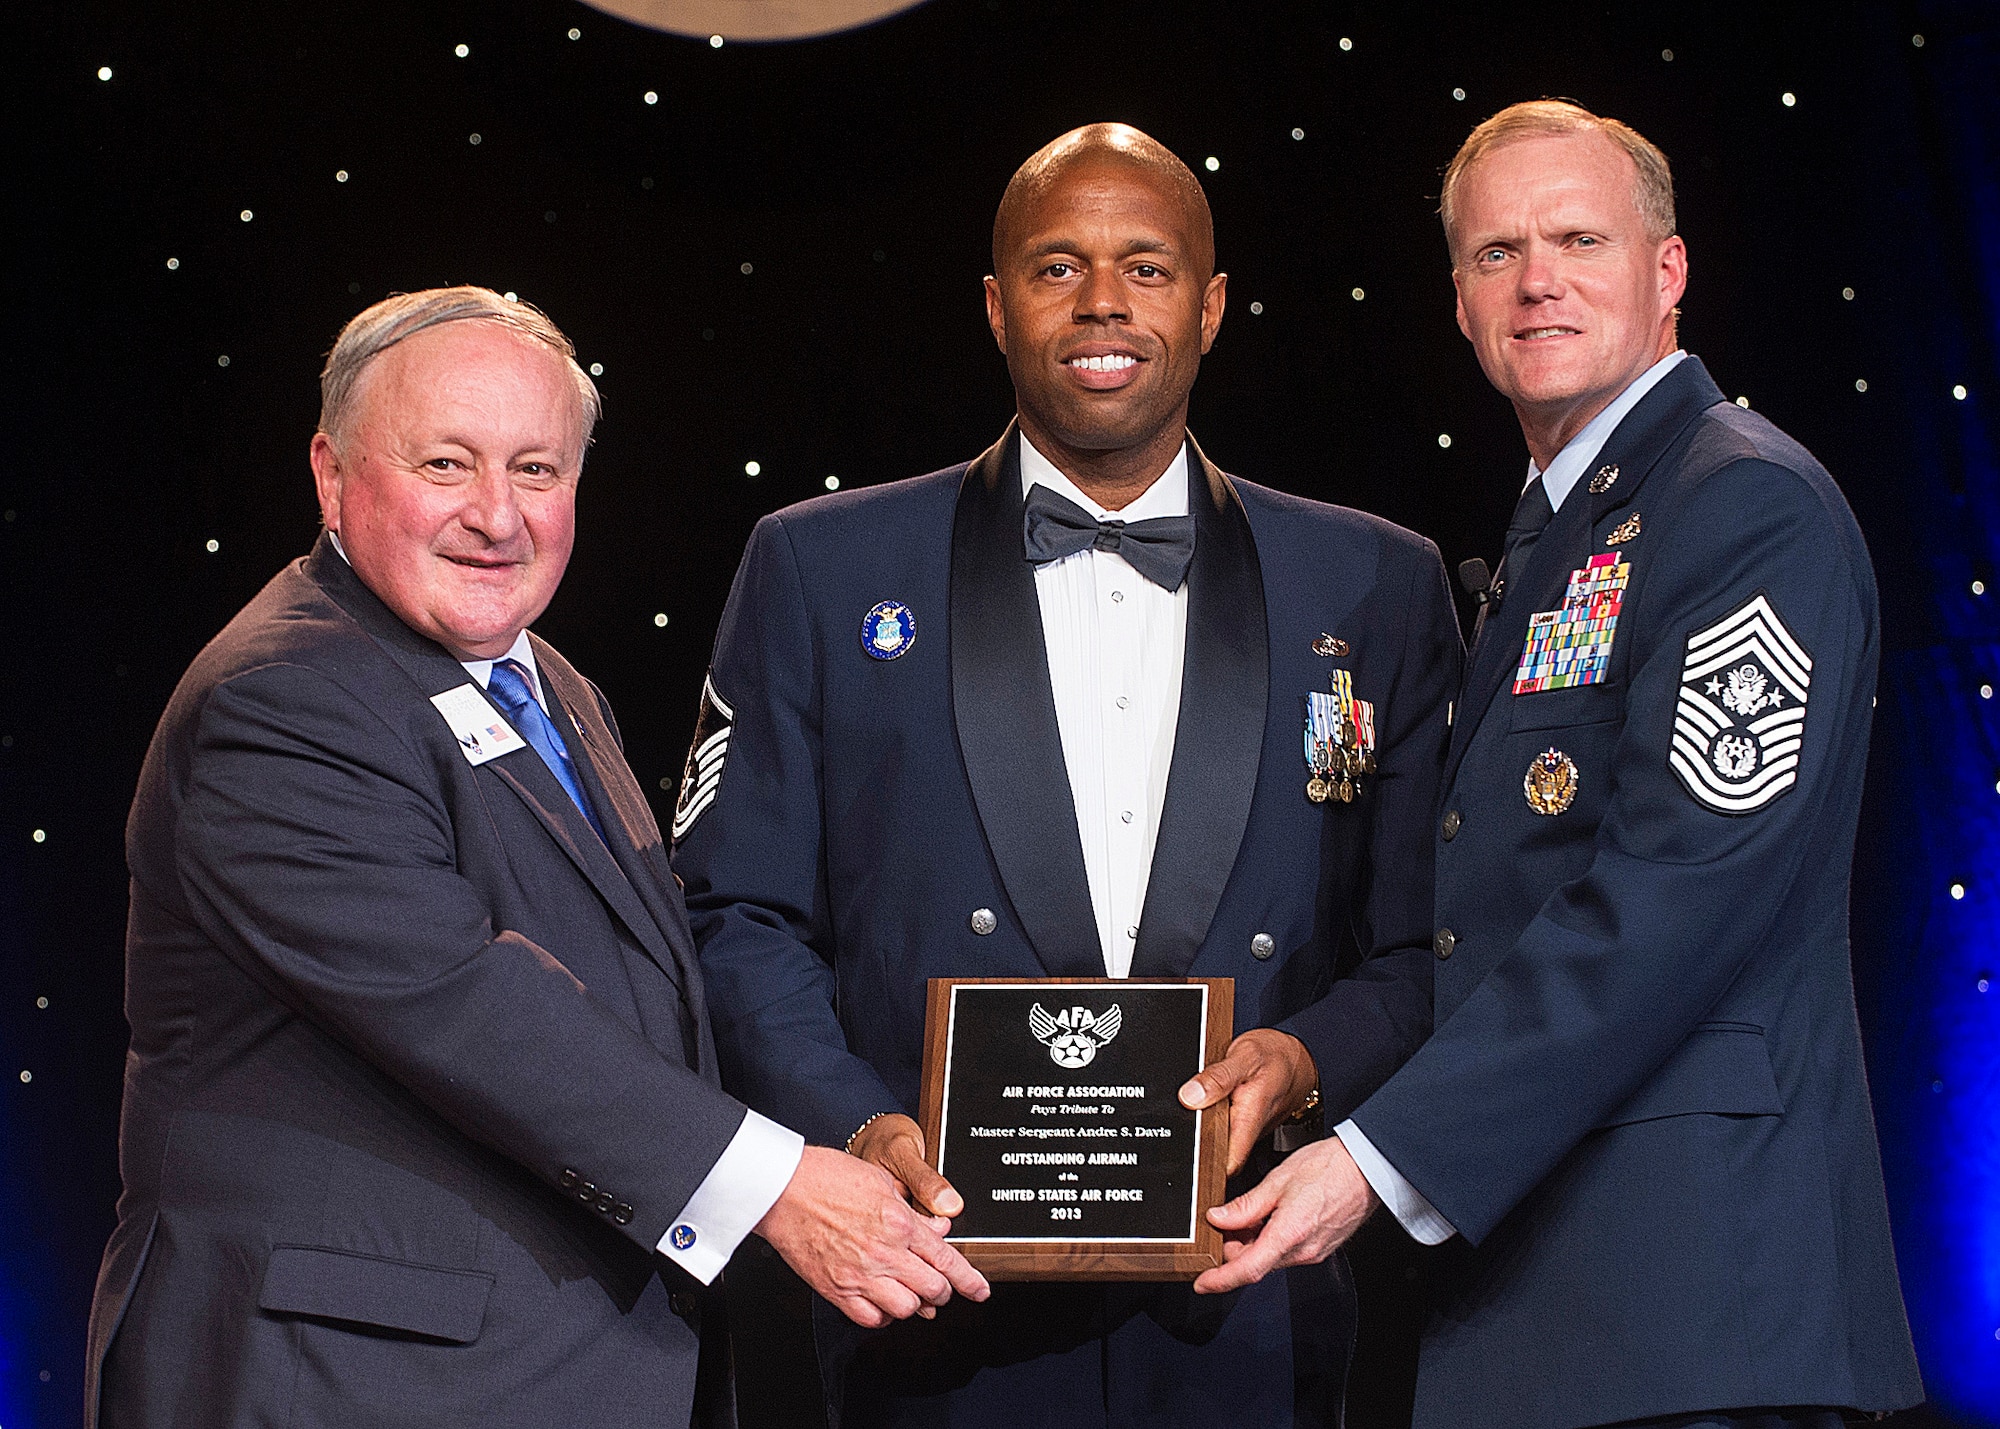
(970, 724)
(422, 1124)
(1642, 1127)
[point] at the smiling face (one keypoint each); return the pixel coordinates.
(454, 489)
(1563, 294)
(1103, 302)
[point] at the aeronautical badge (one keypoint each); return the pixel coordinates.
(889, 630)
(1074, 1034)
(1628, 529)
(1606, 476)
(703, 775)
(1742, 711)
(1551, 782)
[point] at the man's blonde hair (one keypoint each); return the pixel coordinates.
(1652, 188)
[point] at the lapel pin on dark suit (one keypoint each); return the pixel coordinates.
(889, 630)
(1602, 482)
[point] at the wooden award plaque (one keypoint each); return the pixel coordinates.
(1052, 1106)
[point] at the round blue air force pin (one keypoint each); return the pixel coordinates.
(889, 630)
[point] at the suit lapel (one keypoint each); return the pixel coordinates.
(433, 670)
(1219, 741)
(1635, 448)
(1005, 710)
(635, 843)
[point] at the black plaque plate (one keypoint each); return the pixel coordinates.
(1052, 1106)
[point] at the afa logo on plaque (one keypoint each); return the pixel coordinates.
(1074, 1034)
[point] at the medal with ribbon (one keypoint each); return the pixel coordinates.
(1339, 741)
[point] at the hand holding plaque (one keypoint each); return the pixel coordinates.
(896, 1144)
(1052, 1107)
(1266, 1077)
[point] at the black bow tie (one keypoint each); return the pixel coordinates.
(1160, 549)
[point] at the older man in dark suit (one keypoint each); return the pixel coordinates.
(421, 1122)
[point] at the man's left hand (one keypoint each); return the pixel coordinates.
(1267, 1076)
(1303, 1212)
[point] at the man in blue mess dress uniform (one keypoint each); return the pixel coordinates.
(1045, 714)
(1642, 1128)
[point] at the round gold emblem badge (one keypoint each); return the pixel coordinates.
(1551, 782)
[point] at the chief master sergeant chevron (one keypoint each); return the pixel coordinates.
(1045, 714)
(1643, 1123)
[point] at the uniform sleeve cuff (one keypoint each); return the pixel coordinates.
(744, 1183)
(1405, 1202)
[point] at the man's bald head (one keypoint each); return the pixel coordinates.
(1104, 297)
(1098, 147)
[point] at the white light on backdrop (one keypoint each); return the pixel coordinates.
(719, 20)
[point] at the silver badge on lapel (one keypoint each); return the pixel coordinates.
(1741, 718)
(1603, 481)
(1331, 646)
(889, 630)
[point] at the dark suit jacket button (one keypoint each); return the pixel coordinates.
(1262, 946)
(586, 1192)
(622, 1214)
(682, 1304)
(1452, 822)
(1444, 942)
(604, 1202)
(568, 1179)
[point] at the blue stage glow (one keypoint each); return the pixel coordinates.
(1929, 951)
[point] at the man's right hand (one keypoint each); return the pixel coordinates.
(843, 1225)
(896, 1144)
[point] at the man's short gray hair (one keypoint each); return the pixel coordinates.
(375, 330)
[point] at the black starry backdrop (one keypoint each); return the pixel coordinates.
(770, 256)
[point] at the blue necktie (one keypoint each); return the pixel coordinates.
(508, 684)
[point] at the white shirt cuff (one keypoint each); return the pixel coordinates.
(740, 1187)
(1405, 1202)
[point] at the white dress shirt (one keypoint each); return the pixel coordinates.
(756, 1166)
(1405, 1202)
(1116, 643)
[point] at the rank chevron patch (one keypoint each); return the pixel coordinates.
(1742, 711)
(703, 776)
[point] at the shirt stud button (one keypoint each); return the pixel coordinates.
(1118, 596)
(983, 921)
(1262, 946)
(1126, 817)
(1132, 932)
(1453, 822)
(1124, 702)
